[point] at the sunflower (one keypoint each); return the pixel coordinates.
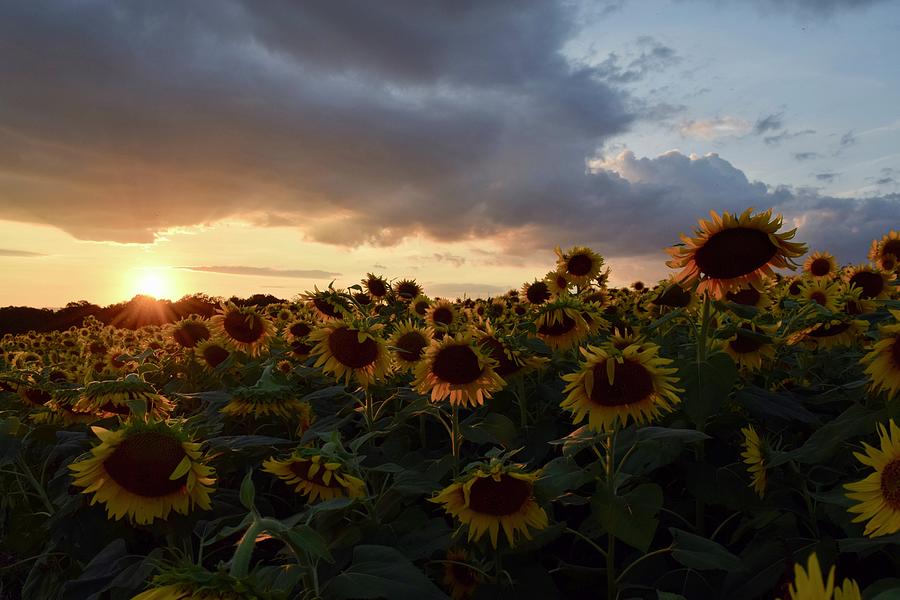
(749, 347)
(408, 343)
(874, 283)
(242, 328)
(886, 251)
(884, 360)
(732, 251)
(879, 493)
(820, 265)
(329, 304)
(442, 315)
(189, 332)
(560, 324)
(461, 579)
(376, 286)
(512, 361)
(823, 292)
(580, 264)
(612, 386)
(212, 353)
(673, 295)
(277, 400)
(144, 471)
(809, 584)
(298, 329)
(316, 475)
(493, 496)
(557, 282)
(407, 289)
(419, 306)
(456, 368)
(193, 582)
(537, 292)
(119, 396)
(753, 456)
(830, 334)
(351, 350)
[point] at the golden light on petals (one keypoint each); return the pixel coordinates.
(878, 493)
(457, 369)
(354, 351)
(580, 265)
(754, 458)
(811, 584)
(883, 360)
(242, 328)
(317, 476)
(820, 265)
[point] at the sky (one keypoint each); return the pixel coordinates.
(272, 147)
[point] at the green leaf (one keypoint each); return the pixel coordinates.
(632, 517)
(558, 476)
(703, 397)
(248, 490)
(883, 589)
(304, 537)
(493, 429)
(856, 421)
(862, 544)
(382, 572)
(236, 442)
(701, 553)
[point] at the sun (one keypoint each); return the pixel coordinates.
(152, 283)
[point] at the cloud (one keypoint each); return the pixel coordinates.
(650, 56)
(770, 122)
(847, 140)
(885, 181)
(774, 140)
(802, 156)
(709, 129)
(266, 272)
(472, 290)
(809, 9)
(19, 253)
(826, 177)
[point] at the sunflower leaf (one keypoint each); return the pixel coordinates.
(248, 491)
(181, 470)
(631, 517)
(700, 553)
(382, 572)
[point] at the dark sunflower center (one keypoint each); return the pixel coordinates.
(819, 298)
(538, 292)
(325, 307)
(891, 246)
(505, 365)
(871, 283)
(826, 330)
(362, 298)
(557, 327)
(794, 288)
(300, 329)
(299, 348)
(244, 327)
(457, 365)
(190, 334)
(345, 346)
(744, 344)
(421, 308)
(890, 484)
(579, 265)
(376, 287)
(36, 396)
(632, 383)
(747, 296)
(215, 355)
(734, 252)
(143, 462)
(674, 296)
(562, 282)
(638, 285)
(301, 468)
(97, 348)
(499, 498)
(820, 267)
(411, 345)
(408, 290)
(442, 316)
(463, 576)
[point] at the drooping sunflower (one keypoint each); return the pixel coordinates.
(456, 368)
(212, 353)
(560, 323)
(407, 289)
(376, 286)
(316, 475)
(329, 304)
(732, 251)
(351, 351)
(442, 315)
(242, 328)
(117, 397)
(193, 582)
(885, 253)
(820, 265)
(580, 264)
(879, 493)
(874, 283)
(277, 400)
(536, 292)
(754, 457)
(407, 344)
(461, 580)
(754, 295)
(189, 332)
(823, 292)
(610, 387)
(830, 334)
(673, 295)
(512, 361)
(809, 584)
(144, 471)
(495, 496)
(884, 360)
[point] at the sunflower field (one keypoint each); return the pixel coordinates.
(731, 432)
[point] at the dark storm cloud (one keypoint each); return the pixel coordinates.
(770, 122)
(19, 253)
(266, 272)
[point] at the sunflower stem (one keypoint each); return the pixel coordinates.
(240, 562)
(41, 492)
(610, 443)
(520, 398)
(370, 410)
(455, 441)
(702, 347)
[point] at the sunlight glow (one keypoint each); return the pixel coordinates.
(152, 283)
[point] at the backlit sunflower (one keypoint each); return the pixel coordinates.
(830, 334)
(874, 283)
(820, 265)
(212, 353)
(298, 329)
(376, 286)
(673, 295)
(316, 475)
(351, 351)
(809, 584)
(750, 346)
(732, 251)
(879, 493)
(457, 369)
(754, 457)
(461, 580)
(242, 328)
(537, 292)
(495, 496)
(144, 471)
(823, 292)
(557, 283)
(407, 289)
(560, 323)
(189, 332)
(407, 344)
(443, 315)
(512, 361)
(750, 295)
(612, 386)
(260, 402)
(579, 264)
(420, 305)
(884, 360)
(329, 304)
(886, 252)
(118, 397)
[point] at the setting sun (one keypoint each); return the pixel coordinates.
(152, 283)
